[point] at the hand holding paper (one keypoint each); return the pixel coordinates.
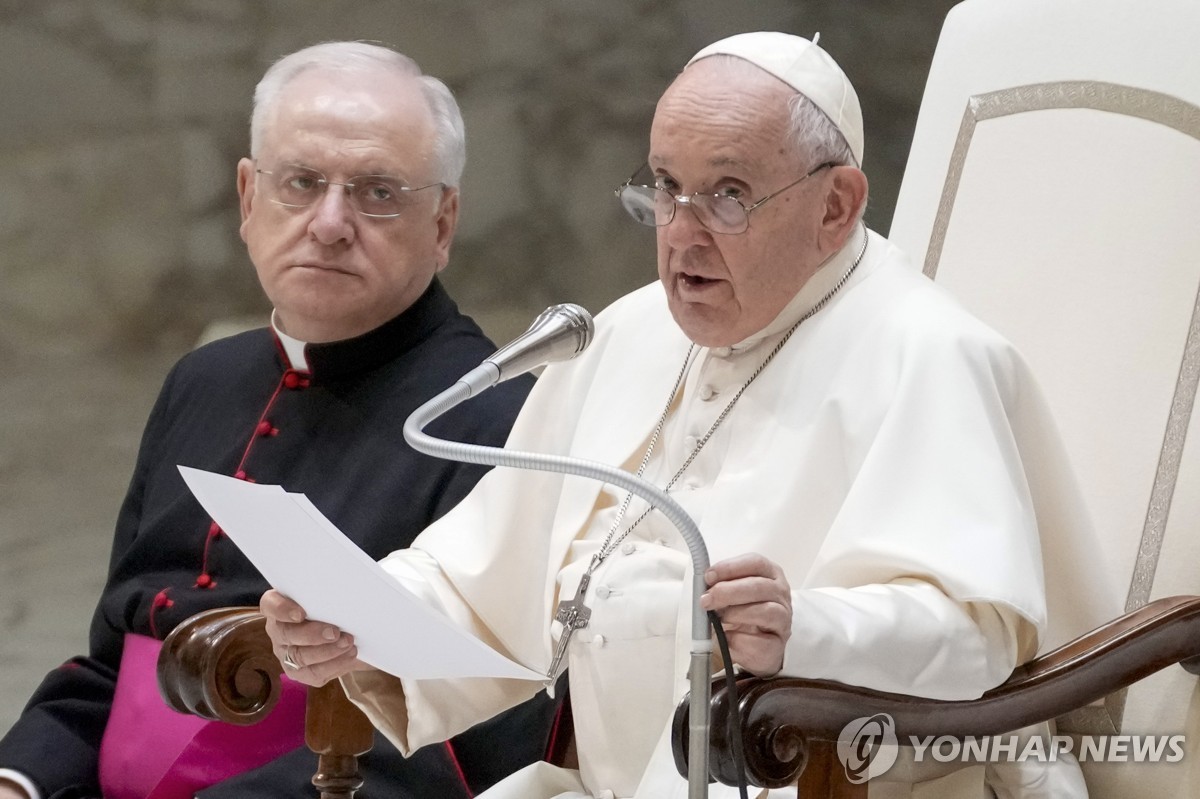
(308, 559)
(313, 652)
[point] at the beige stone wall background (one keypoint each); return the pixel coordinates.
(120, 124)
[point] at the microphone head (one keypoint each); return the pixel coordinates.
(559, 333)
(575, 322)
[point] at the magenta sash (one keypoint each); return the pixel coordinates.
(151, 752)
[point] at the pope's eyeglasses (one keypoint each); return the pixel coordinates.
(720, 213)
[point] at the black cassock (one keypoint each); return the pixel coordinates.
(334, 433)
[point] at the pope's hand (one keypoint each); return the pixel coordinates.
(752, 596)
(312, 652)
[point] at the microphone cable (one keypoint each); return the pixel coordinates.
(733, 722)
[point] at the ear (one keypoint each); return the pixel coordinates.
(245, 190)
(447, 222)
(845, 197)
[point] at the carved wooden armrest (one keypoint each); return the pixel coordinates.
(219, 665)
(782, 719)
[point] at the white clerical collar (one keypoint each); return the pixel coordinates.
(293, 348)
(812, 292)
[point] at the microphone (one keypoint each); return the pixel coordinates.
(559, 333)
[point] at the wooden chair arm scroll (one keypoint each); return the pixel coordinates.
(787, 723)
(219, 665)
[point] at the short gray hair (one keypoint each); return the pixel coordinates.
(449, 146)
(813, 133)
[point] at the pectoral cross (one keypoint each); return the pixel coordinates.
(573, 615)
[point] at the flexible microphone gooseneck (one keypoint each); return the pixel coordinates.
(559, 333)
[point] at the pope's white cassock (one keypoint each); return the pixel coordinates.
(895, 458)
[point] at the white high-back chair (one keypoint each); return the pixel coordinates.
(1054, 187)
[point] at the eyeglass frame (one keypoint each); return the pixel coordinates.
(324, 183)
(686, 199)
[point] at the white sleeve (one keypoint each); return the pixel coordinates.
(413, 713)
(929, 580)
(922, 641)
(22, 782)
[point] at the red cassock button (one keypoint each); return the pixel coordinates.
(293, 379)
(240, 474)
(264, 428)
(204, 581)
(214, 530)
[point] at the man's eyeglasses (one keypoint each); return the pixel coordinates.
(720, 213)
(297, 186)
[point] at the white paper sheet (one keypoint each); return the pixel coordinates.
(306, 557)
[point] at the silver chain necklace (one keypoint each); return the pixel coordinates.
(573, 614)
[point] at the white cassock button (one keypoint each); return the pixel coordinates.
(602, 591)
(722, 352)
(628, 548)
(598, 640)
(690, 443)
(707, 392)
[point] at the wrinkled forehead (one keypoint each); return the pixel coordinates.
(723, 106)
